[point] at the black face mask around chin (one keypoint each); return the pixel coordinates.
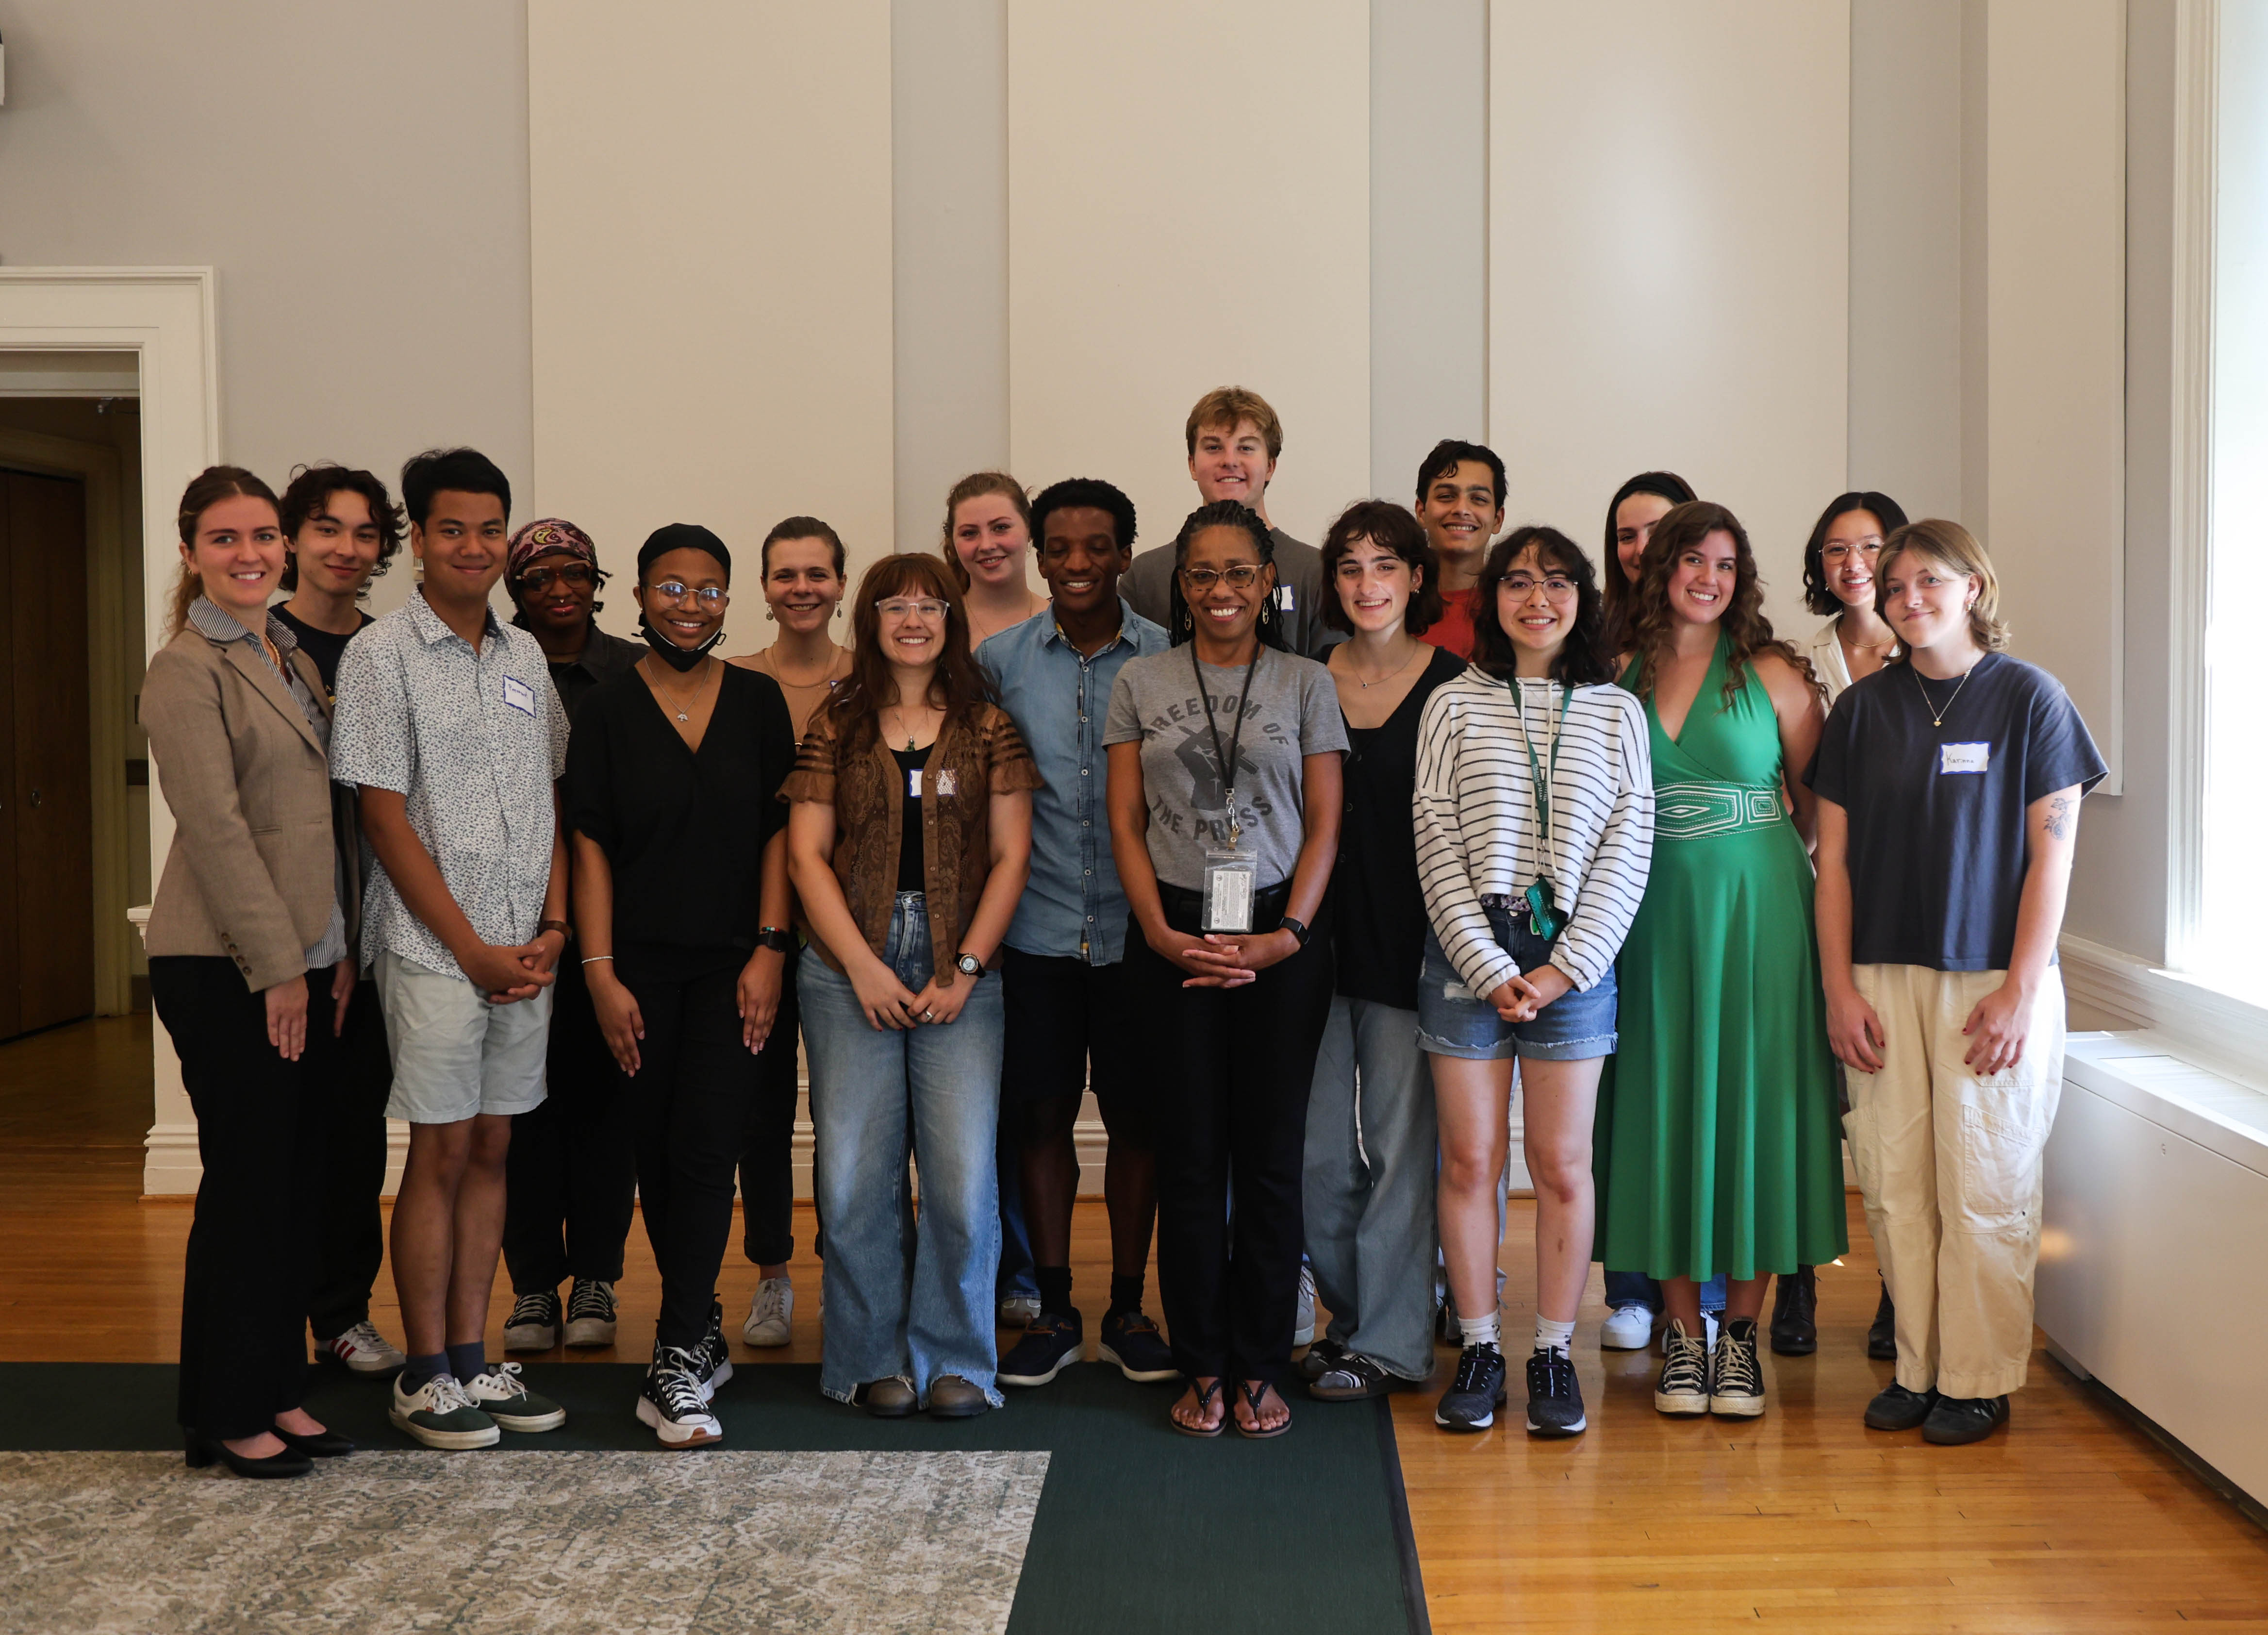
(678, 659)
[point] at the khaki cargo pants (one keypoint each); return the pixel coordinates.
(1950, 1165)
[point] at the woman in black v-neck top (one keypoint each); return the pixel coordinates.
(681, 903)
(1369, 1185)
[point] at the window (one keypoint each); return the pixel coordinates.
(2228, 946)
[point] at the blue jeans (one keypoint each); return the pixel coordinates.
(902, 1297)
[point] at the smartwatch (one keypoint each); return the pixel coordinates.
(969, 965)
(1298, 930)
(773, 938)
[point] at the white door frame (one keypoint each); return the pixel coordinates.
(164, 316)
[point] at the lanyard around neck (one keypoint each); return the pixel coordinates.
(1542, 775)
(1236, 736)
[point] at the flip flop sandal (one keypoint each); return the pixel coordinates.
(1252, 1401)
(1205, 1396)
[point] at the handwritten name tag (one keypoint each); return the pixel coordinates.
(1963, 757)
(518, 695)
(913, 785)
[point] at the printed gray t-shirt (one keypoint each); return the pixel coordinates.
(1293, 712)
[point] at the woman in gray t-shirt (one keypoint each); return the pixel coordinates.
(1223, 800)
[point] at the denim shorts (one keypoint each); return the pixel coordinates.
(1454, 1020)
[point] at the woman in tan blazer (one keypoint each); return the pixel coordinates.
(251, 967)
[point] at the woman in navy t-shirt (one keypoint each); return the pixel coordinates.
(1948, 784)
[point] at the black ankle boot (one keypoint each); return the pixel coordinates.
(1796, 1314)
(1883, 1333)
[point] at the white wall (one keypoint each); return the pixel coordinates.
(357, 176)
(1669, 261)
(711, 217)
(1189, 208)
(2055, 363)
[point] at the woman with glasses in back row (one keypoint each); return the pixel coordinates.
(1224, 807)
(910, 834)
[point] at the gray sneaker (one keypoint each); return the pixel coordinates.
(500, 1394)
(533, 1325)
(439, 1414)
(590, 1314)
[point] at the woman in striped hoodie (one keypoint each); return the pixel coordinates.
(1535, 819)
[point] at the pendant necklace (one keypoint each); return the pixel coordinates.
(679, 701)
(1937, 716)
(1382, 679)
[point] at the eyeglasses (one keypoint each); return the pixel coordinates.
(1836, 555)
(578, 574)
(712, 598)
(898, 607)
(1241, 578)
(1520, 587)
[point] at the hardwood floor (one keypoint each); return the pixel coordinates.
(2072, 1519)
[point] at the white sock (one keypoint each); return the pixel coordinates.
(1482, 1331)
(1554, 1336)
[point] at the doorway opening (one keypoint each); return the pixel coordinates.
(74, 807)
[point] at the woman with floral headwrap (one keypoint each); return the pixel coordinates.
(570, 1175)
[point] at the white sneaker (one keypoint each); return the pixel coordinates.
(361, 1349)
(1304, 1334)
(1628, 1327)
(769, 1312)
(439, 1414)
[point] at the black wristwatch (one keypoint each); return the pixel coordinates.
(969, 965)
(1298, 930)
(777, 940)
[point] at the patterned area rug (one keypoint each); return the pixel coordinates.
(135, 1544)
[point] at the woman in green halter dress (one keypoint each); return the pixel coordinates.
(1719, 1145)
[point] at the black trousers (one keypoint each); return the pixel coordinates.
(767, 1156)
(260, 1135)
(350, 1235)
(691, 1096)
(1230, 1070)
(570, 1177)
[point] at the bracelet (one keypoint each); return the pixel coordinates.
(566, 932)
(595, 958)
(1298, 930)
(774, 938)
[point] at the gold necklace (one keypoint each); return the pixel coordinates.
(781, 676)
(1418, 648)
(1937, 716)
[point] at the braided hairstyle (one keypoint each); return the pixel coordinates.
(1223, 514)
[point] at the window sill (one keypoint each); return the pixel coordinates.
(2210, 1027)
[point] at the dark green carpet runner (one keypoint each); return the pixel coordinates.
(1140, 1530)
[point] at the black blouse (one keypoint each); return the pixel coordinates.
(684, 830)
(1379, 910)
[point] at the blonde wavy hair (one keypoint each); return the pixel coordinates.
(1955, 548)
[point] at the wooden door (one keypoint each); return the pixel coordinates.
(48, 796)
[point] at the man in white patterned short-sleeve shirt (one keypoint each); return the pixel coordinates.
(448, 724)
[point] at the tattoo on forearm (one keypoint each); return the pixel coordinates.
(2063, 816)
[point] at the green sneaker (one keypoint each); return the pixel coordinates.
(504, 1398)
(439, 1414)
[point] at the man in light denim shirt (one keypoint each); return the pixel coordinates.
(1061, 972)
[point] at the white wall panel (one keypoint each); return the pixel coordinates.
(1669, 261)
(2055, 338)
(711, 217)
(1189, 207)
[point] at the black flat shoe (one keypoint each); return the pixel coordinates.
(1883, 1333)
(290, 1462)
(1956, 1420)
(1796, 1314)
(323, 1444)
(1895, 1408)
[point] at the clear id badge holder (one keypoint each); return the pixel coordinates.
(1230, 880)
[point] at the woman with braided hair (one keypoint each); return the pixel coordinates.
(1224, 799)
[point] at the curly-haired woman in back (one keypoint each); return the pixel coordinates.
(1718, 1140)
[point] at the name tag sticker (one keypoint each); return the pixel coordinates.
(1963, 757)
(946, 784)
(913, 785)
(518, 695)
(1284, 600)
